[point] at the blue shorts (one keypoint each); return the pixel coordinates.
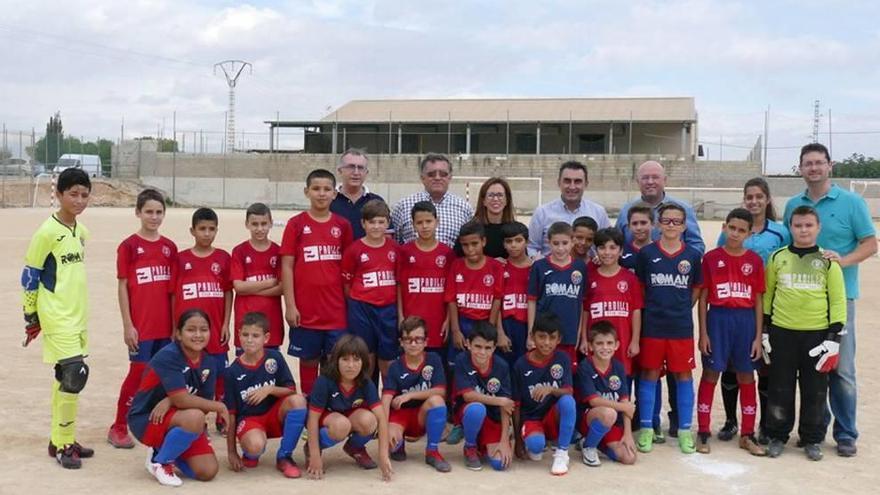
(466, 324)
(239, 351)
(518, 332)
(731, 333)
(147, 349)
(377, 325)
(309, 344)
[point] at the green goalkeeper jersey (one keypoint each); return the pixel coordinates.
(804, 290)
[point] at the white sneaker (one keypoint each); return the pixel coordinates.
(590, 456)
(164, 474)
(560, 463)
(535, 457)
(148, 464)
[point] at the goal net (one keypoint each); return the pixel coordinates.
(870, 190)
(527, 191)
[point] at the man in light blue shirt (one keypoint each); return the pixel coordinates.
(571, 204)
(847, 235)
(652, 184)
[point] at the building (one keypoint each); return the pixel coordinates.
(524, 126)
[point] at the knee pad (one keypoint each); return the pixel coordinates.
(72, 373)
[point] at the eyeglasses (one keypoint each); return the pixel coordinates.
(352, 167)
(672, 221)
(437, 173)
(820, 163)
(413, 340)
(496, 195)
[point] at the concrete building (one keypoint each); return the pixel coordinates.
(534, 126)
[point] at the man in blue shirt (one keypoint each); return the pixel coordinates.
(848, 236)
(652, 184)
(351, 193)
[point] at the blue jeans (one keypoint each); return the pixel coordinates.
(842, 392)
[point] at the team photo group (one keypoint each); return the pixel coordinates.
(429, 318)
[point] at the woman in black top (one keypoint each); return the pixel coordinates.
(494, 209)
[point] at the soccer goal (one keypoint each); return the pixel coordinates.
(44, 190)
(870, 190)
(709, 202)
(528, 192)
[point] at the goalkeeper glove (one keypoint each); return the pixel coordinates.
(31, 328)
(828, 351)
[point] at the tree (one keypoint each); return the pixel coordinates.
(48, 148)
(857, 166)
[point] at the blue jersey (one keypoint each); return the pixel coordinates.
(170, 372)
(628, 256)
(241, 379)
(560, 290)
(611, 385)
(669, 280)
(329, 396)
(527, 375)
(402, 379)
(771, 238)
(496, 382)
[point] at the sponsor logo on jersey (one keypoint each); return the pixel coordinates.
(817, 264)
(684, 267)
(577, 277)
(71, 258)
(381, 278)
(321, 253)
(271, 366)
(493, 385)
(427, 373)
(609, 309)
(426, 285)
(556, 371)
(148, 274)
(614, 382)
(515, 301)
(215, 268)
(199, 290)
(559, 289)
(257, 386)
(623, 286)
(336, 232)
(488, 280)
(670, 280)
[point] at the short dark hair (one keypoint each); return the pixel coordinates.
(485, 331)
(259, 209)
(434, 157)
(411, 323)
(255, 319)
(671, 206)
(573, 165)
(149, 194)
(810, 148)
(546, 323)
(612, 234)
(603, 327)
(586, 222)
(348, 345)
(423, 206)
(320, 173)
(190, 313)
(375, 208)
(204, 214)
(640, 207)
(804, 210)
(471, 228)
(513, 229)
(70, 177)
(557, 228)
(740, 214)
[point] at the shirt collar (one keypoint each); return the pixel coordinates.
(429, 198)
(576, 210)
(832, 193)
(366, 189)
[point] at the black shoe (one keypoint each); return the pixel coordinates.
(846, 448)
(673, 430)
(763, 439)
(728, 431)
(398, 455)
(83, 452)
(775, 448)
(68, 457)
(813, 451)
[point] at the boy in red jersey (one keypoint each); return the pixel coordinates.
(255, 275)
(731, 316)
(368, 267)
(201, 281)
(311, 274)
(515, 288)
(143, 269)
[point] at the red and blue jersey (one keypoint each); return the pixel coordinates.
(474, 290)
(202, 283)
(251, 265)
(146, 266)
(170, 372)
(370, 272)
(421, 276)
(329, 396)
(733, 281)
(528, 374)
(559, 290)
(515, 292)
(494, 382)
(241, 379)
(669, 280)
(402, 379)
(611, 384)
(628, 256)
(614, 299)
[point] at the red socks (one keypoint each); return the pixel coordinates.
(748, 407)
(126, 392)
(705, 395)
(307, 376)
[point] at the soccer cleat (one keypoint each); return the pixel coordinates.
(847, 448)
(288, 467)
(360, 456)
(728, 431)
(775, 448)
(118, 437)
(560, 463)
(813, 451)
(68, 457)
(164, 474)
(686, 442)
(250, 463)
(748, 443)
(455, 436)
(84, 452)
(472, 458)
(399, 455)
(702, 443)
(645, 440)
(590, 456)
(435, 460)
(659, 437)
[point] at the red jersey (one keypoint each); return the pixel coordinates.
(733, 281)
(370, 272)
(613, 299)
(202, 283)
(422, 279)
(317, 249)
(515, 289)
(251, 265)
(474, 290)
(146, 268)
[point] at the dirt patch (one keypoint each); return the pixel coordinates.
(37, 191)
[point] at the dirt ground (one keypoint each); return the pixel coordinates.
(25, 382)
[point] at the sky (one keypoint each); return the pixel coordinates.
(102, 62)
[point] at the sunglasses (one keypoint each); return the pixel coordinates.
(437, 173)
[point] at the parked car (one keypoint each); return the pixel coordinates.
(91, 164)
(16, 167)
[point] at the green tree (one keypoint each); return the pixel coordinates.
(857, 166)
(48, 148)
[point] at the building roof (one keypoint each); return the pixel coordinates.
(673, 109)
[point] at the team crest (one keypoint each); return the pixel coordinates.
(392, 256)
(273, 261)
(205, 374)
(747, 268)
(614, 382)
(440, 261)
(357, 403)
(493, 385)
(623, 286)
(336, 232)
(215, 268)
(364, 258)
(488, 280)
(577, 277)
(817, 264)
(427, 373)
(271, 366)
(684, 267)
(556, 371)
(166, 251)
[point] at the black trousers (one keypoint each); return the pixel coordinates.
(791, 366)
(730, 394)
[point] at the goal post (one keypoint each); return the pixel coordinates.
(528, 192)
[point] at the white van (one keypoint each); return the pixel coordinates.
(90, 164)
